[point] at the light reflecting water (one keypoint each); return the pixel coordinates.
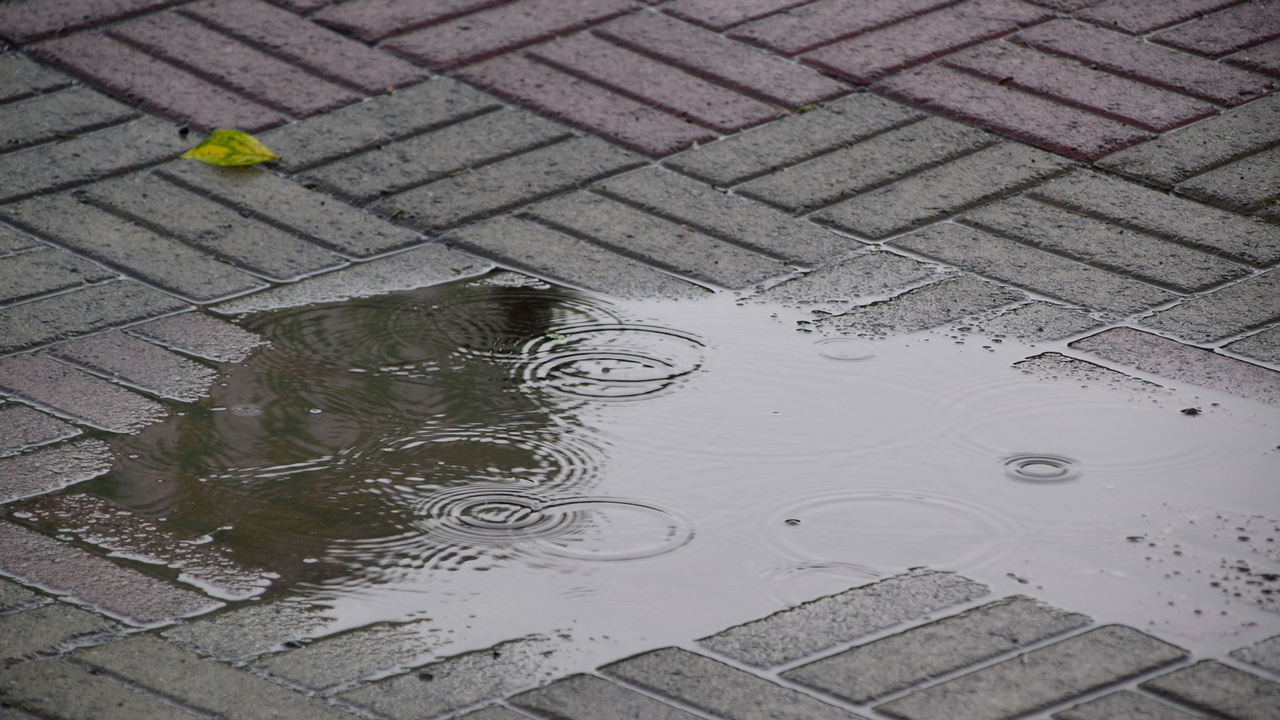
(509, 458)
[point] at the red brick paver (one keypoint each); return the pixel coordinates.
(24, 21)
(378, 19)
(827, 21)
(1143, 16)
(1225, 32)
(1264, 58)
(721, 15)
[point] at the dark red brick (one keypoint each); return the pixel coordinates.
(827, 21)
(217, 58)
(491, 32)
(303, 6)
(585, 105)
(1066, 5)
(1263, 58)
(1068, 82)
(1143, 16)
(715, 57)
(1231, 30)
(133, 76)
(1149, 63)
(868, 57)
(23, 21)
(721, 15)
(300, 41)
(654, 83)
(377, 19)
(1031, 119)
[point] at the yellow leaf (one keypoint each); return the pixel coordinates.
(230, 148)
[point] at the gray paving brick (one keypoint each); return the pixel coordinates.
(139, 364)
(1123, 705)
(728, 217)
(314, 215)
(354, 656)
(63, 113)
(1045, 273)
(1243, 186)
(944, 190)
(869, 273)
(364, 126)
(873, 162)
(1211, 686)
(44, 471)
(205, 684)
(1039, 322)
(719, 689)
(1102, 244)
(76, 394)
(793, 139)
(15, 597)
(1263, 346)
(427, 265)
(200, 335)
(39, 322)
(20, 77)
(1248, 304)
(92, 156)
(140, 252)
(899, 661)
(585, 697)
(424, 158)
(1183, 221)
(924, 307)
(12, 241)
(493, 713)
(251, 630)
(47, 629)
(1057, 367)
(681, 250)
(45, 270)
(535, 249)
(122, 592)
(819, 624)
(457, 682)
(1172, 359)
(1181, 154)
(22, 428)
(1040, 678)
(510, 183)
(211, 227)
(58, 689)
(1265, 654)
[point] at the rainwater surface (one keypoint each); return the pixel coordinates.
(502, 457)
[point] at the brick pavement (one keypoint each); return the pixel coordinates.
(1100, 172)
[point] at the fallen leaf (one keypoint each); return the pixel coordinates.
(230, 148)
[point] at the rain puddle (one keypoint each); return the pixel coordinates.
(500, 457)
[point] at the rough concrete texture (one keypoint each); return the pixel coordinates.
(1045, 273)
(1039, 322)
(12, 241)
(341, 660)
(1103, 244)
(249, 631)
(924, 307)
(885, 666)
(493, 713)
(1265, 654)
(156, 665)
(539, 250)
(944, 190)
(200, 335)
(59, 689)
(427, 265)
(442, 687)
(15, 597)
(1123, 704)
(1041, 678)
(727, 217)
(1220, 689)
(718, 689)
(77, 395)
(20, 77)
(583, 697)
(139, 364)
(49, 469)
(868, 273)
(1171, 359)
(822, 623)
(1248, 304)
(45, 270)
(679, 249)
(68, 112)
(40, 322)
(1243, 186)
(22, 428)
(1057, 367)
(1181, 221)
(40, 560)
(47, 630)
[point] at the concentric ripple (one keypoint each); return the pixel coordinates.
(611, 361)
(845, 349)
(1041, 469)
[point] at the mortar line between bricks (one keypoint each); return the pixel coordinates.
(121, 382)
(654, 695)
(141, 690)
(411, 26)
(117, 172)
(80, 131)
(73, 288)
(36, 348)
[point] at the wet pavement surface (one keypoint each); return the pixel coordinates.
(684, 358)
